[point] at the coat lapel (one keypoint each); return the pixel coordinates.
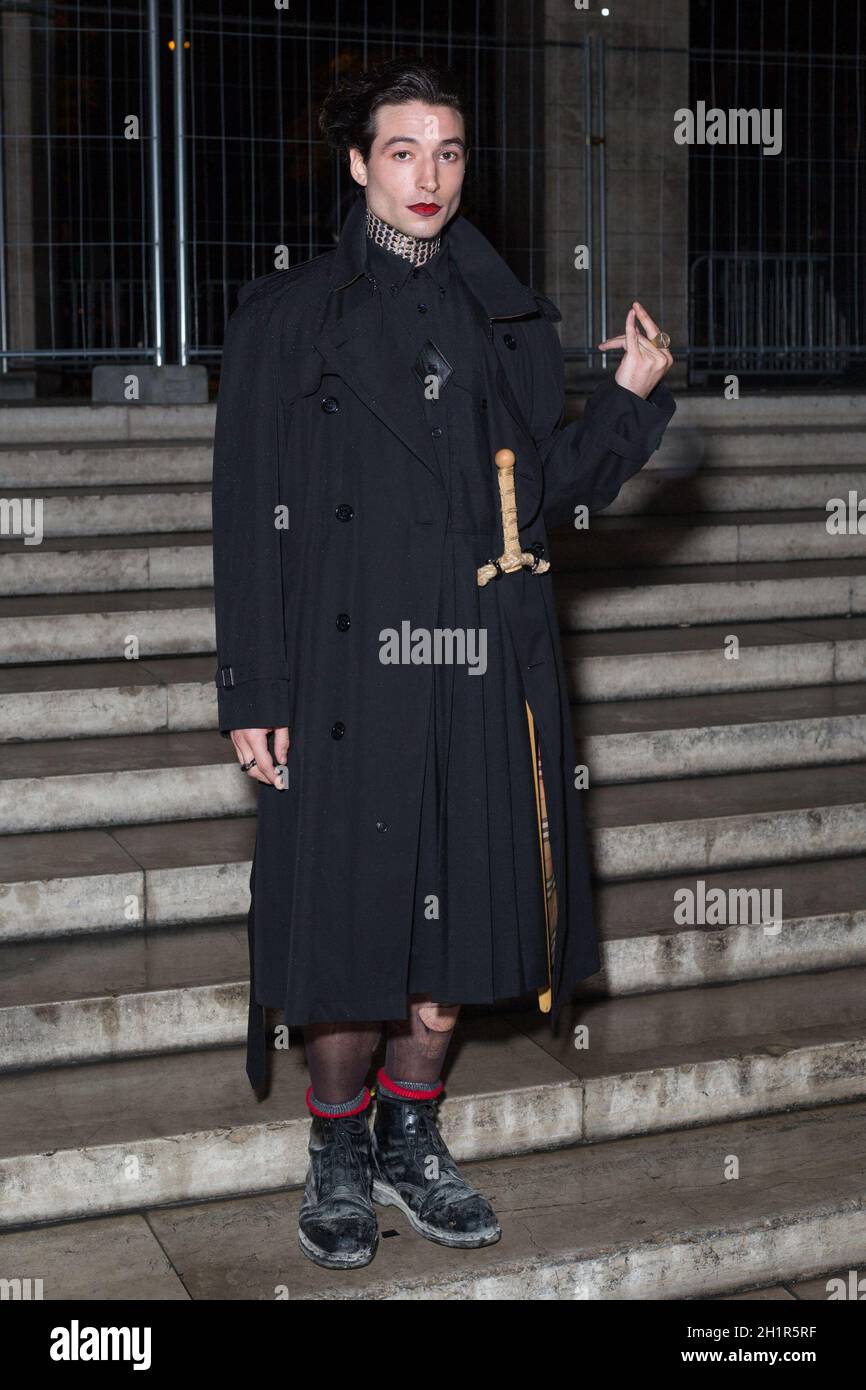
(352, 344)
(357, 350)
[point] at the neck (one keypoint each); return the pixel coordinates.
(416, 249)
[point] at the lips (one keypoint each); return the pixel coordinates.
(425, 209)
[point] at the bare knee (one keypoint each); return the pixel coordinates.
(439, 1018)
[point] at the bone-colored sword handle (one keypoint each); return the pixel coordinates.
(511, 558)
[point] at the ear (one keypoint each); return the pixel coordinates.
(357, 166)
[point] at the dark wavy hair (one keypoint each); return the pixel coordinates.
(347, 118)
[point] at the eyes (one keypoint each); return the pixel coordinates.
(448, 156)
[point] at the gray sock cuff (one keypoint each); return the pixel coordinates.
(342, 1107)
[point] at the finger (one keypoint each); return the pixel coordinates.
(651, 328)
(281, 745)
(246, 746)
(631, 335)
(613, 342)
(649, 351)
(246, 754)
(264, 770)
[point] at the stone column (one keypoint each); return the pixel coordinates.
(646, 80)
(18, 194)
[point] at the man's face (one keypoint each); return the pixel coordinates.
(415, 171)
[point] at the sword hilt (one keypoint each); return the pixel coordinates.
(513, 557)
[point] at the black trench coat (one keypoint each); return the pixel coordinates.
(317, 423)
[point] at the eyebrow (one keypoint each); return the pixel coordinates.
(411, 140)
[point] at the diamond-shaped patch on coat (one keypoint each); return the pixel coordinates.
(431, 362)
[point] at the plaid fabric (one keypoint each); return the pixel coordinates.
(551, 906)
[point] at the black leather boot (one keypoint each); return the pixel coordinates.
(337, 1224)
(414, 1170)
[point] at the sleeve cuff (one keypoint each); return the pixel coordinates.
(629, 425)
(254, 704)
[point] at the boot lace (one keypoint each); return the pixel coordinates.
(343, 1160)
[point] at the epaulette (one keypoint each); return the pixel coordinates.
(278, 280)
(547, 307)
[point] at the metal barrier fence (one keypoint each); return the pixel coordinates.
(80, 257)
(155, 154)
(758, 314)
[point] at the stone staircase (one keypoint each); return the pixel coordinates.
(135, 1160)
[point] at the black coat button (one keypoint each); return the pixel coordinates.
(344, 512)
(436, 431)
(381, 826)
(510, 341)
(338, 729)
(483, 402)
(344, 622)
(422, 308)
(330, 404)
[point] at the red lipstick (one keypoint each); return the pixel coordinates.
(425, 209)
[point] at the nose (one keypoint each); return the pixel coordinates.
(428, 177)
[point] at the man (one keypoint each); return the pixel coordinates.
(420, 842)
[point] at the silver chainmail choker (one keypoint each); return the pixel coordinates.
(416, 249)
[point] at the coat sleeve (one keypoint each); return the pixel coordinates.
(587, 461)
(252, 678)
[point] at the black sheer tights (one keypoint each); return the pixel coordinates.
(339, 1054)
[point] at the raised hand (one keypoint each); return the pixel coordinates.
(643, 364)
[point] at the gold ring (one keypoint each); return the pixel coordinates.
(661, 340)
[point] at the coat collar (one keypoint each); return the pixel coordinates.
(350, 342)
(491, 280)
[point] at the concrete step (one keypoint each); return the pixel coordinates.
(107, 564)
(634, 1219)
(673, 486)
(651, 941)
(96, 627)
(619, 741)
(84, 424)
(738, 593)
(156, 694)
(186, 506)
(191, 871)
(693, 824)
(162, 873)
(68, 784)
(101, 462)
(125, 993)
(652, 1063)
(800, 412)
(99, 699)
(707, 538)
(569, 1229)
(105, 627)
(140, 989)
(644, 740)
(687, 447)
(183, 559)
(641, 663)
(104, 511)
